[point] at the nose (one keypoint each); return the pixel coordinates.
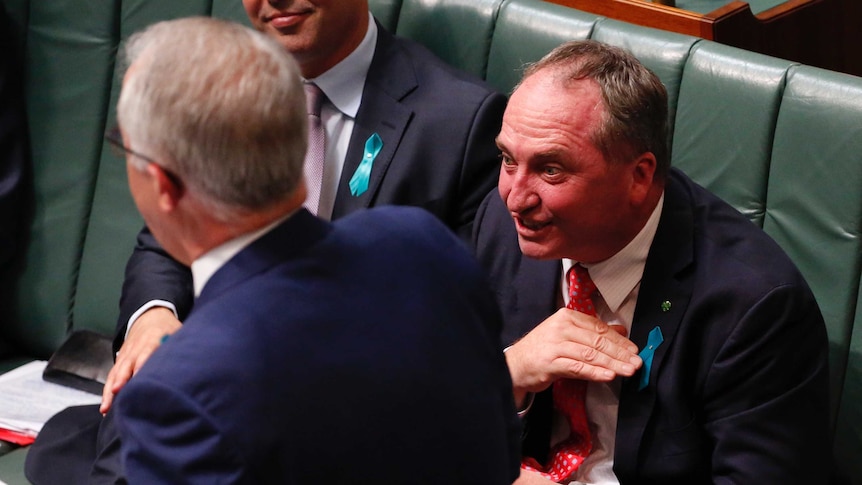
(518, 190)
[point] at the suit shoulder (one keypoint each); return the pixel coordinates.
(389, 221)
(730, 240)
(432, 70)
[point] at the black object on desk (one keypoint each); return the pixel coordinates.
(82, 362)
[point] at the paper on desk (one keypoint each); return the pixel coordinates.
(27, 401)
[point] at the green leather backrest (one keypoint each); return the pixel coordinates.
(727, 108)
(84, 223)
(525, 31)
(69, 56)
(458, 31)
(386, 12)
(814, 196)
(230, 10)
(665, 53)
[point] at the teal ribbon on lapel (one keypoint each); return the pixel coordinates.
(359, 181)
(654, 339)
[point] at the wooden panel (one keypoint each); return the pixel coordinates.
(820, 33)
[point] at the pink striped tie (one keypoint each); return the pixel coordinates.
(315, 157)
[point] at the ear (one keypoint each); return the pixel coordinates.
(643, 177)
(167, 186)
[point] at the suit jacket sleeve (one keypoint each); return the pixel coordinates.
(481, 161)
(174, 441)
(766, 395)
(152, 274)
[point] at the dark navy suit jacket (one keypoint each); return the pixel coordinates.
(738, 390)
(362, 351)
(438, 127)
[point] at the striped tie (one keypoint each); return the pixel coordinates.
(315, 157)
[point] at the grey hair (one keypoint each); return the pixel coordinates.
(635, 100)
(219, 105)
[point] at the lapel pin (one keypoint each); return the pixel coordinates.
(665, 306)
(359, 181)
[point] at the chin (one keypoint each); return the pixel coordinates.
(537, 250)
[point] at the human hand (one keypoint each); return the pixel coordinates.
(570, 345)
(144, 337)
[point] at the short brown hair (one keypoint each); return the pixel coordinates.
(636, 113)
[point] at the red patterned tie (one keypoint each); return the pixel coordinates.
(569, 396)
(315, 156)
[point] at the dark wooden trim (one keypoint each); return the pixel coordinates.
(813, 32)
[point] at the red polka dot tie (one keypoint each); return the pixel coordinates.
(569, 396)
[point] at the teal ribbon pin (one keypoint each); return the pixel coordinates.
(654, 339)
(359, 181)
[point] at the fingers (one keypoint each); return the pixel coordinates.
(144, 338)
(571, 345)
(128, 361)
(620, 330)
(107, 397)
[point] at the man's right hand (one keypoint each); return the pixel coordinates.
(144, 337)
(570, 345)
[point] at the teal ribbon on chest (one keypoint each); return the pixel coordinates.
(359, 180)
(654, 339)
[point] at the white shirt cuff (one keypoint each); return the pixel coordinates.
(150, 304)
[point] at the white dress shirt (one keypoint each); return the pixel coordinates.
(207, 264)
(343, 86)
(618, 281)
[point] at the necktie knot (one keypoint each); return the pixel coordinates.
(581, 289)
(313, 99)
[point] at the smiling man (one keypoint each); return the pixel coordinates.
(690, 349)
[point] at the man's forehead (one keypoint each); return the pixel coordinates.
(549, 97)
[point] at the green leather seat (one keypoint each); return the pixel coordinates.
(525, 31)
(814, 211)
(458, 31)
(727, 108)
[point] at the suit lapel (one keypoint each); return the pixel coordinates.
(390, 78)
(286, 241)
(664, 295)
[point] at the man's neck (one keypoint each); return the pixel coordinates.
(212, 260)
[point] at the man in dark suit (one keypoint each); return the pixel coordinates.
(437, 129)
(436, 126)
(361, 351)
(730, 384)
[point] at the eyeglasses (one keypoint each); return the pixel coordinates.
(119, 149)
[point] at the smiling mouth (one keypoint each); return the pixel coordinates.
(286, 20)
(530, 226)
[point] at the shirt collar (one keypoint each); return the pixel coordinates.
(344, 83)
(205, 266)
(618, 275)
